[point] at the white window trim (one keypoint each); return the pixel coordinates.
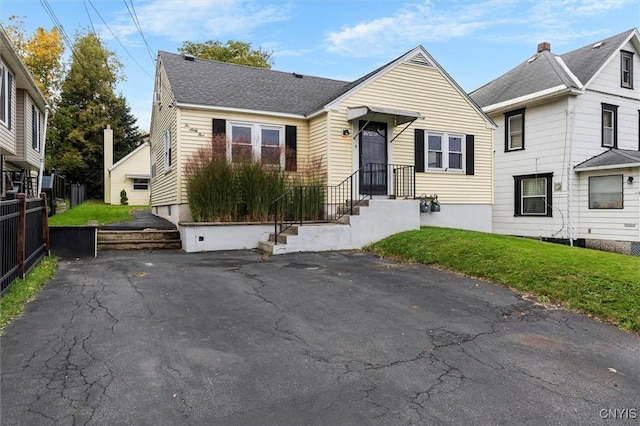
(133, 184)
(256, 139)
(4, 79)
(153, 162)
(512, 132)
(167, 150)
(445, 151)
(624, 57)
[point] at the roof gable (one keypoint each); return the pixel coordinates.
(129, 155)
(544, 71)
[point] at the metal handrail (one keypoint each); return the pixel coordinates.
(331, 202)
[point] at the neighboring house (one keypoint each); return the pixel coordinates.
(22, 124)
(566, 153)
(131, 173)
(407, 112)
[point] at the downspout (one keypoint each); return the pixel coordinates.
(44, 148)
(570, 176)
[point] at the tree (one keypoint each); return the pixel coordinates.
(87, 104)
(234, 52)
(41, 53)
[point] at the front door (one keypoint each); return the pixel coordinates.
(373, 158)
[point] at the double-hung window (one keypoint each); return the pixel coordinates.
(35, 128)
(533, 195)
(140, 184)
(514, 130)
(256, 142)
(167, 150)
(605, 192)
(609, 126)
(5, 95)
(445, 151)
(626, 69)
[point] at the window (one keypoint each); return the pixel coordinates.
(533, 195)
(153, 162)
(626, 69)
(514, 130)
(444, 151)
(140, 184)
(609, 126)
(167, 150)
(5, 95)
(35, 128)
(256, 142)
(605, 192)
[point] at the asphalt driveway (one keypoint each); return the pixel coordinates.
(168, 338)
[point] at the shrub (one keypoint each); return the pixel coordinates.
(124, 200)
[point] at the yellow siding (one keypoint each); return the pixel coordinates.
(195, 130)
(425, 90)
(164, 186)
(318, 140)
(136, 164)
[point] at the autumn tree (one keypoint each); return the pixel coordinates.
(87, 104)
(41, 53)
(234, 52)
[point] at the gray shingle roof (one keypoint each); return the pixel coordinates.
(212, 83)
(545, 72)
(613, 157)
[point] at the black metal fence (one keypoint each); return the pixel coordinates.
(330, 203)
(24, 237)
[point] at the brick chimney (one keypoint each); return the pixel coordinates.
(544, 46)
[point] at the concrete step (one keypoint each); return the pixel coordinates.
(148, 239)
(266, 246)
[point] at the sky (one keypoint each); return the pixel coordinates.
(475, 41)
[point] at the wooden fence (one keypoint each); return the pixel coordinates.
(24, 237)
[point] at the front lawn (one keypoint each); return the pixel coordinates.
(599, 284)
(95, 210)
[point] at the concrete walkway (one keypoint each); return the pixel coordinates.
(232, 338)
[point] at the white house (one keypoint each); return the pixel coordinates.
(566, 150)
(131, 173)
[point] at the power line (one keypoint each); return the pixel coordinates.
(136, 22)
(118, 40)
(89, 16)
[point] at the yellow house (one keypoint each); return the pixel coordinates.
(131, 173)
(403, 130)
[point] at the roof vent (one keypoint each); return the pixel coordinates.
(189, 57)
(597, 45)
(420, 59)
(544, 47)
(531, 59)
(297, 75)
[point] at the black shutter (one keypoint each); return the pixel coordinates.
(9, 93)
(419, 150)
(517, 192)
(219, 139)
(291, 148)
(470, 166)
(219, 126)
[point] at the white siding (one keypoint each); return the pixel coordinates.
(546, 150)
(610, 224)
(136, 164)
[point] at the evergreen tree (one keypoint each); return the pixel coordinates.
(87, 104)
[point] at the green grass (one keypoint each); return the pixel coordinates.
(24, 290)
(599, 284)
(95, 210)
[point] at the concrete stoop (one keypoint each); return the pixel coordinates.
(370, 222)
(148, 239)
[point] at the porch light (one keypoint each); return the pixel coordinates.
(630, 180)
(346, 133)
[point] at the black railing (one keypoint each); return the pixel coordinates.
(24, 237)
(330, 203)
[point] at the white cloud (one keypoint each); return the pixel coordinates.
(198, 20)
(438, 21)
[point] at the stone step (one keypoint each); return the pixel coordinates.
(148, 239)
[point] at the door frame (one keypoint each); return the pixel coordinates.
(355, 128)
